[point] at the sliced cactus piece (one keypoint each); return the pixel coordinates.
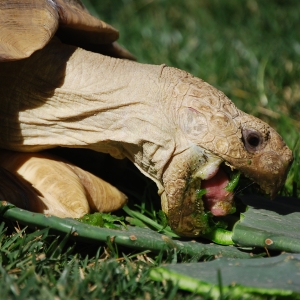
(238, 278)
(271, 224)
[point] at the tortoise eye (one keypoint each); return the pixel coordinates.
(253, 140)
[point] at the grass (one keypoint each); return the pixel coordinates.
(248, 49)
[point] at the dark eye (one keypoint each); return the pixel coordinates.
(253, 140)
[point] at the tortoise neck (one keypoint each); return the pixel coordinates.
(69, 97)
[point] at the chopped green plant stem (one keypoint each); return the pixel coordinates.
(234, 180)
(216, 229)
(207, 219)
(135, 222)
(148, 211)
(134, 214)
(220, 236)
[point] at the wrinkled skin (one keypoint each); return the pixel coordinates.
(40, 182)
(176, 128)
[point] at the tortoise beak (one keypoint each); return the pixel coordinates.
(269, 170)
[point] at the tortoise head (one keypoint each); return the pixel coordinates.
(213, 132)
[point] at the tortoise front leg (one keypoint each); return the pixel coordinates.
(44, 183)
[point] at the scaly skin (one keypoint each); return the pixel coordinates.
(209, 120)
(176, 128)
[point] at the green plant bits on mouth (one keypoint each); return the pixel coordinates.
(205, 219)
(200, 193)
(203, 222)
(234, 180)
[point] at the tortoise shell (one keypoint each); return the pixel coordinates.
(28, 25)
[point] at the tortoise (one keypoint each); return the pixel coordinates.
(65, 82)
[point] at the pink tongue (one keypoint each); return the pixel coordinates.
(217, 199)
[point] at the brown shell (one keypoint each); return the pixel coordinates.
(28, 25)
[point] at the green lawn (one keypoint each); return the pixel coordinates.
(248, 49)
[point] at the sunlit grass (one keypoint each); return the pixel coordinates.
(248, 49)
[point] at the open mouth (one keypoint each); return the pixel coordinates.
(218, 191)
(211, 197)
(218, 199)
